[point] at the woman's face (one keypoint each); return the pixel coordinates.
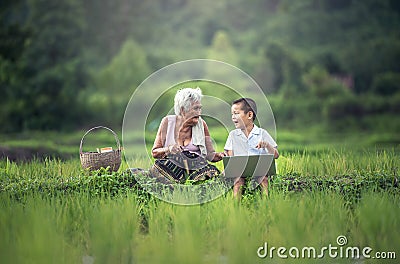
(191, 117)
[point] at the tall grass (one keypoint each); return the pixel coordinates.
(339, 162)
(126, 227)
(328, 162)
(122, 230)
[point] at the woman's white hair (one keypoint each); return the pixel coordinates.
(185, 97)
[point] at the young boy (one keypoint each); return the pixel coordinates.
(248, 139)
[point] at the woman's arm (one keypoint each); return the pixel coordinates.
(159, 151)
(211, 154)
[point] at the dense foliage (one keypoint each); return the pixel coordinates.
(69, 62)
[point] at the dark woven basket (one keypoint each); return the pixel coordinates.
(95, 160)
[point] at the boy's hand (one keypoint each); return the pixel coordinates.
(262, 144)
(266, 145)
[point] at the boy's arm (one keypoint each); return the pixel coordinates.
(229, 146)
(275, 152)
(268, 143)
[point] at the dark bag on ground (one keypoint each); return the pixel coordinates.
(184, 166)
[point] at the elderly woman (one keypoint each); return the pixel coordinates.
(184, 139)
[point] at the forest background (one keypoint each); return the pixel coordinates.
(327, 67)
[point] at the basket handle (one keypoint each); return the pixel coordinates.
(87, 132)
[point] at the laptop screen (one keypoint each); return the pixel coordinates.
(247, 166)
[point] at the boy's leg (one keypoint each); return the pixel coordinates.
(237, 187)
(264, 184)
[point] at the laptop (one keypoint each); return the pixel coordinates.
(249, 166)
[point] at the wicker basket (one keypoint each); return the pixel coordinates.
(95, 160)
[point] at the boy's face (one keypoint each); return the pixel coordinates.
(239, 117)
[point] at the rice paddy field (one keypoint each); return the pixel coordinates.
(325, 206)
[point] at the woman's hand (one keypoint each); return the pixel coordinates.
(173, 149)
(218, 156)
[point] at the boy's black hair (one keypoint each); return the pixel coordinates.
(248, 104)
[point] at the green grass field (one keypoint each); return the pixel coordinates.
(51, 211)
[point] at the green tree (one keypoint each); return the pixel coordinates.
(221, 49)
(321, 84)
(12, 42)
(53, 71)
(287, 69)
(387, 83)
(111, 23)
(356, 38)
(116, 82)
(125, 71)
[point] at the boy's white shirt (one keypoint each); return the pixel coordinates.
(243, 146)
